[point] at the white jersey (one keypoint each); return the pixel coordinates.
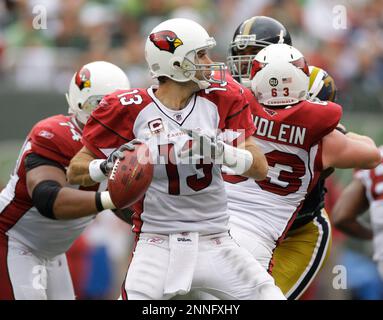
(182, 197)
(373, 183)
(291, 141)
(58, 139)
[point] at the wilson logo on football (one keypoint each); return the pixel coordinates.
(114, 170)
(166, 40)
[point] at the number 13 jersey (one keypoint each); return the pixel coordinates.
(291, 140)
(181, 197)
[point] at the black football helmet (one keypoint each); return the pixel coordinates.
(251, 36)
(322, 85)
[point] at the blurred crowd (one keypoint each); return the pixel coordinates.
(344, 37)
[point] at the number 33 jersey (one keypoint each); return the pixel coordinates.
(182, 196)
(291, 141)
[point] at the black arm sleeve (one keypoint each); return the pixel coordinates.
(34, 160)
(44, 196)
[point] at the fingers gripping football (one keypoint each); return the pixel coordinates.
(131, 174)
(202, 146)
(107, 166)
(99, 169)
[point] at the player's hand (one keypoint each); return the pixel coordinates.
(118, 153)
(202, 146)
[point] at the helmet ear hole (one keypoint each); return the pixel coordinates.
(79, 106)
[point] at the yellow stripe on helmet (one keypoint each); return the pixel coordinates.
(313, 74)
(248, 24)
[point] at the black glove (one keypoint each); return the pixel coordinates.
(118, 153)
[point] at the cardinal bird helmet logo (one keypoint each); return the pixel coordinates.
(166, 40)
(83, 78)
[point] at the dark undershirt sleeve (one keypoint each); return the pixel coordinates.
(33, 160)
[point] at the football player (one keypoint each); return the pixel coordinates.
(250, 37)
(183, 243)
(40, 214)
(299, 148)
(364, 192)
(298, 259)
(308, 241)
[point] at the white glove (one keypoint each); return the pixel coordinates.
(237, 160)
(202, 146)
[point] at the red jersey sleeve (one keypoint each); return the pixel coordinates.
(253, 102)
(111, 123)
(56, 138)
(325, 117)
(233, 107)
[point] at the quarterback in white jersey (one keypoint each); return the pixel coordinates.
(33, 239)
(298, 139)
(182, 222)
(364, 192)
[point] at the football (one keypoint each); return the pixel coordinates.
(130, 177)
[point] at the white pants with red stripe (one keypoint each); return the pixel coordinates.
(25, 276)
(220, 268)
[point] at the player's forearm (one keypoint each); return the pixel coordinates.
(259, 167)
(361, 138)
(78, 170)
(369, 155)
(354, 229)
(72, 204)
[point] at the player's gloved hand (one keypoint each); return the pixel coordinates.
(202, 146)
(118, 153)
(99, 169)
(236, 160)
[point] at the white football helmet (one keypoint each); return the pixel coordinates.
(171, 51)
(88, 85)
(280, 75)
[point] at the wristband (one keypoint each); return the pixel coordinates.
(341, 130)
(103, 201)
(95, 172)
(236, 159)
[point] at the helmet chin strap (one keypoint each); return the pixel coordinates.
(70, 109)
(77, 123)
(78, 116)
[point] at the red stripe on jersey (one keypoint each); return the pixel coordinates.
(10, 215)
(6, 289)
(280, 239)
(318, 168)
(138, 208)
(16, 208)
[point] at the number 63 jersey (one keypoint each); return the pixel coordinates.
(182, 196)
(291, 140)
